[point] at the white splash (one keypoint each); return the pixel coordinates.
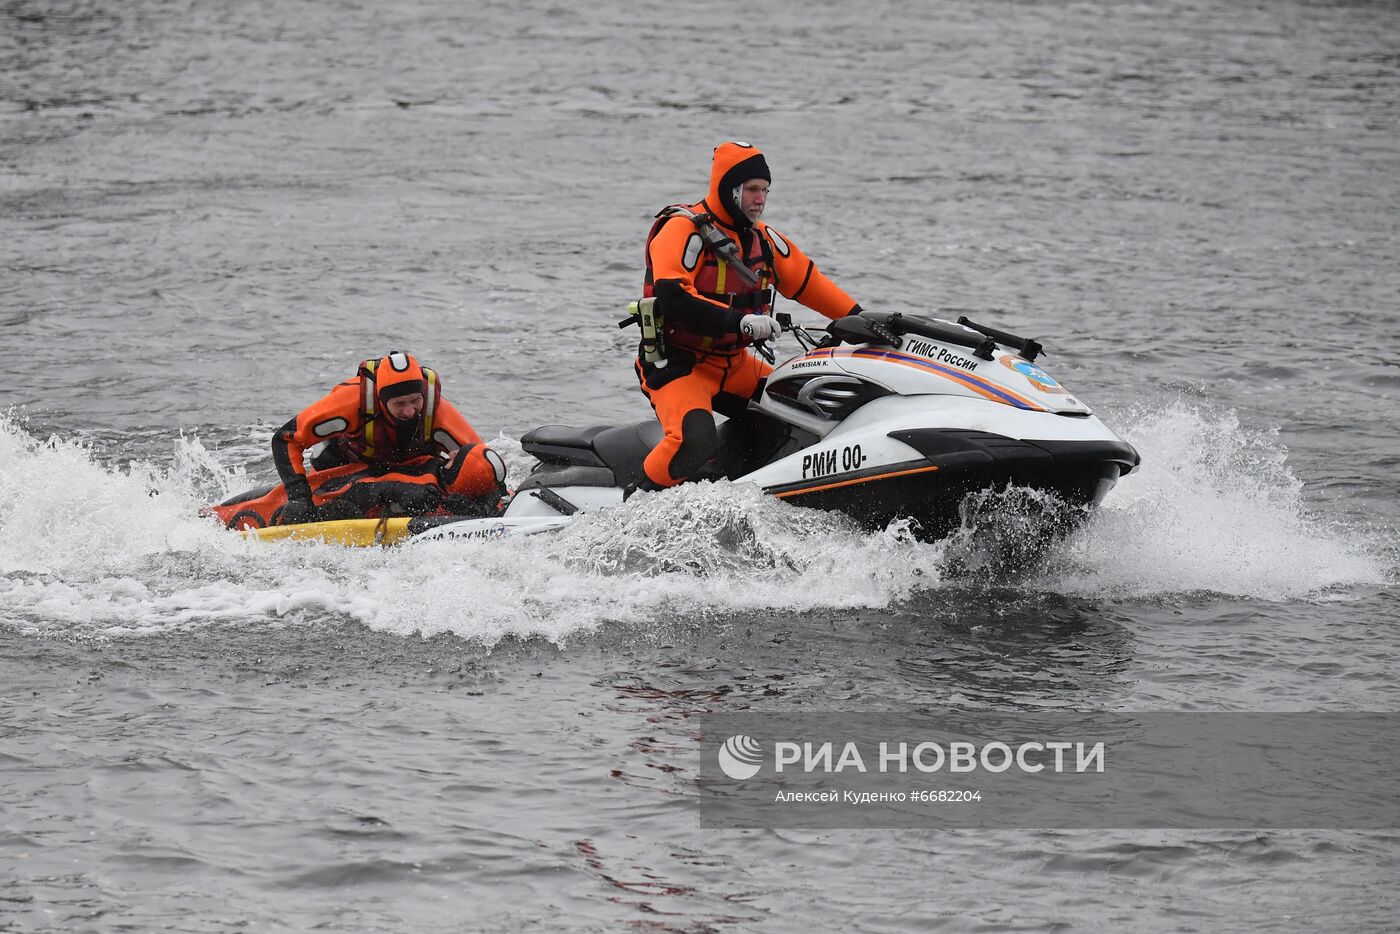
(97, 550)
(1214, 507)
(62, 514)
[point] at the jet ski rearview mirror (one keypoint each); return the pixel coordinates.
(804, 336)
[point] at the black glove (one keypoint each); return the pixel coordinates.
(299, 507)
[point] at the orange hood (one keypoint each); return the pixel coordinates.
(734, 164)
(398, 374)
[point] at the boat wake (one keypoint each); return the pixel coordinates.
(90, 549)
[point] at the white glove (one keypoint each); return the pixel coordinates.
(759, 327)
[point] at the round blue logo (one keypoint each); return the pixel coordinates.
(1034, 373)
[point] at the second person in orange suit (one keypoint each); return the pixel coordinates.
(712, 311)
(391, 412)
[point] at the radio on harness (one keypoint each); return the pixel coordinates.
(643, 313)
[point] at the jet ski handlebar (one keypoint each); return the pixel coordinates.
(884, 327)
(852, 329)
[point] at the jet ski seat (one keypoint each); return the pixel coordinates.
(620, 449)
(564, 444)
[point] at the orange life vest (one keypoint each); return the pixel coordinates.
(714, 279)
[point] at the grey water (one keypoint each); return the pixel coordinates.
(210, 212)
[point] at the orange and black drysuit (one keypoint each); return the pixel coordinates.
(358, 429)
(467, 484)
(701, 301)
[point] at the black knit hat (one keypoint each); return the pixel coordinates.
(754, 166)
(406, 388)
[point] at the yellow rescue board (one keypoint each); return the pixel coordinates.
(354, 532)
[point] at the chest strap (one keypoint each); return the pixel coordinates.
(759, 299)
(718, 243)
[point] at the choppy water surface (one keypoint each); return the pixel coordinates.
(210, 212)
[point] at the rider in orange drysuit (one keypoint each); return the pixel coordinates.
(711, 312)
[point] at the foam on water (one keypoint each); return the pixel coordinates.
(116, 551)
(94, 550)
(63, 514)
(1214, 507)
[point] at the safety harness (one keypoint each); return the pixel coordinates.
(642, 312)
(726, 249)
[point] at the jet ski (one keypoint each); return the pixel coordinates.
(884, 416)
